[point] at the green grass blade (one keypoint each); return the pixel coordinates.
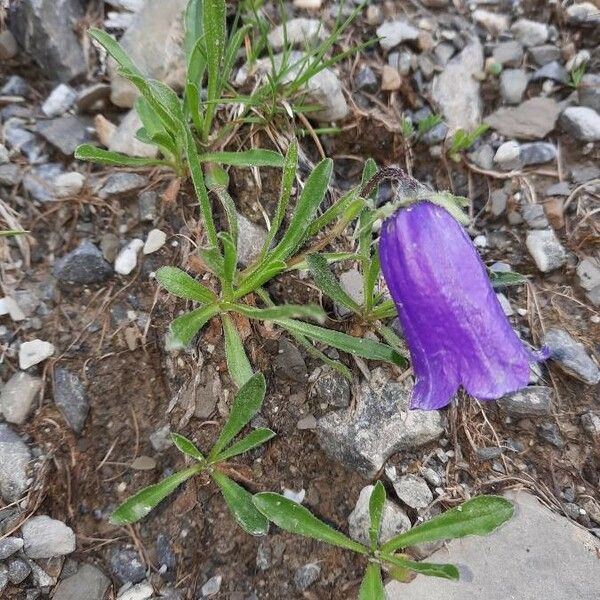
(272, 313)
(371, 587)
(445, 571)
(184, 328)
(376, 506)
(182, 285)
(254, 439)
(187, 447)
(245, 158)
(100, 156)
(238, 365)
(113, 48)
(328, 283)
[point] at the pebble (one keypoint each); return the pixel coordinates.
(121, 183)
(513, 83)
(34, 352)
(393, 33)
(83, 265)
(289, 363)
(44, 537)
(160, 440)
(585, 14)
(508, 156)
(394, 519)
(352, 283)
(147, 206)
(301, 32)
(591, 424)
(571, 356)
(14, 461)
(10, 545)
(15, 86)
(59, 101)
(588, 93)
(562, 188)
(251, 238)
(306, 575)
(530, 33)
(483, 157)
(123, 139)
(413, 491)
(532, 120)
(330, 387)
(532, 401)
(69, 396)
(545, 249)
(552, 70)
(498, 202)
(155, 241)
(495, 23)
(90, 96)
(390, 79)
(8, 45)
(9, 306)
(544, 54)
(3, 577)
(68, 184)
(212, 586)
(18, 571)
(505, 304)
(534, 216)
(4, 156)
(87, 583)
(582, 123)
(17, 397)
(64, 133)
(308, 422)
(141, 591)
(126, 566)
(588, 274)
(550, 433)
(366, 80)
(126, 260)
(508, 53)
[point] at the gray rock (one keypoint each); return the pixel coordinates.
(530, 33)
(591, 424)
(91, 95)
(549, 432)
(351, 282)
(70, 397)
(537, 153)
(582, 123)
(571, 356)
(552, 70)
(306, 575)
(140, 591)
(496, 23)
(562, 188)
(147, 205)
(160, 439)
(8, 45)
(18, 571)
(34, 352)
(3, 577)
(331, 387)
(39, 181)
(588, 273)
(435, 3)
(498, 202)
(121, 183)
(126, 566)
(10, 174)
(366, 80)
(574, 555)
(85, 264)
(44, 537)
(585, 173)
(460, 105)
(10, 545)
(154, 43)
(289, 363)
(585, 14)
(534, 216)
(589, 91)
(59, 101)
(483, 157)
(508, 156)
(393, 33)
(15, 86)
(542, 55)
(64, 133)
(18, 395)
(413, 491)
(394, 519)
(508, 53)
(491, 453)
(123, 139)
(45, 30)
(301, 32)
(436, 135)
(89, 583)
(513, 83)
(251, 238)
(14, 460)
(444, 52)
(381, 424)
(534, 119)
(545, 249)
(533, 401)
(212, 586)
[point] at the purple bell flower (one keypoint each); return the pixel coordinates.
(456, 330)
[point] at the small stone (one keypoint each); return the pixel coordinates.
(513, 83)
(64, 133)
(126, 566)
(571, 356)
(585, 14)
(393, 33)
(444, 52)
(588, 273)
(123, 138)
(485, 454)
(147, 206)
(413, 491)
(90, 96)
(582, 123)
(546, 250)
(10, 174)
(308, 4)
(251, 238)
(498, 202)
(121, 183)
(550, 433)
(34, 352)
(352, 283)
(110, 245)
(70, 397)
(59, 101)
(590, 423)
(10, 545)
(534, 216)
(160, 439)
(589, 91)
(84, 265)
(508, 53)
(143, 463)
(530, 33)
(39, 181)
(302, 32)
(390, 79)
(289, 363)
(69, 184)
(14, 461)
(15, 86)
(435, 3)
(393, 522)
(18, 571)
(166, 559)
(126, 260)
(8, 45)
(508, 156)
(9, 306)
(542, 55)
(18, 395)
(3, 577)
(44, 537)
(374, 15)
(505, 304)
(309, 422)
(552, 70)
(483, 157)
(212, 586)
(331, 387)
(88, 583)
(141, 591)
(532, 401)
(366, 80)
(306, 575)
(495, 23)
(155, 241)
(558, 189)
(532, 120)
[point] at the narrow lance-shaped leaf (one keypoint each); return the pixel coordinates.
(478, 516)
(445, 571)
(254, 439)
(182, 285)
(246, 404)
(229, 262)
(327, 282)
(308, 311)
(371, 587)
(376, 506)
(100, 156)
(113, 48)
(297, 519)
(238, 365)
(139, 505)
(186, 446)
(245, 158)
(241, 506)
(184, 328)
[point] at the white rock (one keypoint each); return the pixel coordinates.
(141, 591)
(9, 306)
(44, 537)
(393, 33)
(495, 23)
(545, 249)
(308, 4)
(18, 395)
(4, 156)
(298, 32)
(583, 13)
(505, 304)
(155, 241)
(413, 491)
(68, 184)
(508, 155)
(34, 352)
(212, 586)
(59, 101)
(122, 139)
(582, 123)
(126, 260)
(530, 33)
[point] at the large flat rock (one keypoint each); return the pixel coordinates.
(537, 555)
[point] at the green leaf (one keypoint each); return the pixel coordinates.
(246, 404)
(506, 279)
(238, 365)
(255, 438)
(113, 48)
(445, 571)
(239, 502)
(193, 25)
(293, 517)
(478, 516)
(184, 328)
(182, 285)
(212, 259)
(368, 172)
(310, 199)
(139, 505)
(358, 346)
(264, 273)
(231, 52)
(330, 257)
(186, 446)
(371, 587)
(245, 158)
(229, 262)
(347, 204)
(272, 313)
(327, 282)
(376, 506)
(100, 156)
